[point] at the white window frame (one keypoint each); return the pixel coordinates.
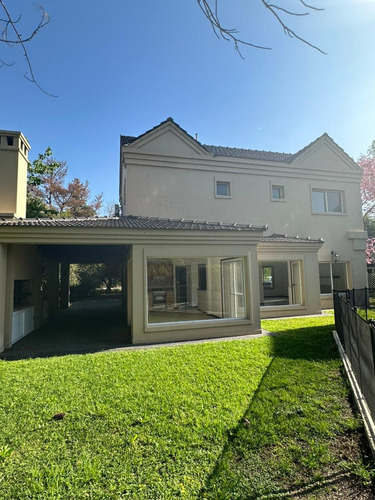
(325, 194)
(227, 183)
(281, 189)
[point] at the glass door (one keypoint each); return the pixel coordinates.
(233, 286)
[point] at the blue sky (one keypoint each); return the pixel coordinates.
(124, 66)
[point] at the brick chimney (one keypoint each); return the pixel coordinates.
(14, 150)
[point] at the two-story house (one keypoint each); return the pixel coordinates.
(313, 194)
(210, 238)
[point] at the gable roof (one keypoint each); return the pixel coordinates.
(251, 154)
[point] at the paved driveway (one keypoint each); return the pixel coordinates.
(87, 326)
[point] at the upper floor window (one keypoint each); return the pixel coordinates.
(277, 192)
(327, 202)
(222, 189)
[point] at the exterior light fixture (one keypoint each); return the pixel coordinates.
(334, 256)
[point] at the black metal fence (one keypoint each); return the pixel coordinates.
(358, 339)
(361, 298)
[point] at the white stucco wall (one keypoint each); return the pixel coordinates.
(165, 181)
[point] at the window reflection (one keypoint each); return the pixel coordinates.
(195, 289)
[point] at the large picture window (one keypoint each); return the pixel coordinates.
(195, 289)
(324, 201)
(332, 276)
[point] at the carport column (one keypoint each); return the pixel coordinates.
(3, 281)
(53, 286)
(65, 285)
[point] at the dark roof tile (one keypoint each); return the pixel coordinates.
(133, 222)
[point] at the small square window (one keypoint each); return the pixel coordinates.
(10, 140)
(278, 193)
(223, 189)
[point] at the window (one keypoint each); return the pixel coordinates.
(324, 201)
(185, 289)
(332, 276)
(10, 140)
(278, 192)
(222, 189)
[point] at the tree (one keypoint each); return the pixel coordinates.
(232, 34)
(12, 36)
(370, 251)
(367, 163)
(48, 193)
(87, 279)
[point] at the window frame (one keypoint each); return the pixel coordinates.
(331, 276)
(151, 259)
(325, 193)
(226, 183)
(281, 189)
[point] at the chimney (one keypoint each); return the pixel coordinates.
(14, 150)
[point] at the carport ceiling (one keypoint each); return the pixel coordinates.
(84, 254)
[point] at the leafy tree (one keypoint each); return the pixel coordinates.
(369, 225)
(87, 279)
(49, 195)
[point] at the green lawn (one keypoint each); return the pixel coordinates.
(235, 419)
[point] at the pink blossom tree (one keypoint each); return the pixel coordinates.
(370, 251)
(367, 163)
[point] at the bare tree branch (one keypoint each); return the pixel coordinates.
(11, 36)
(288, 31)
(230, 34)
(227, 34)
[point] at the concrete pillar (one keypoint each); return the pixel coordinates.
(3, 281)
(65, 285)
(53, 286)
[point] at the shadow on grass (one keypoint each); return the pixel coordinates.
(282, 441)
(88, 326)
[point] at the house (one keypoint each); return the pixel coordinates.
(312, 194)
(210, 238)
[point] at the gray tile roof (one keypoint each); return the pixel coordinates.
(290, 239)
(133, 222)
(251, 154)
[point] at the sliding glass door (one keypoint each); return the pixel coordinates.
(233, 286)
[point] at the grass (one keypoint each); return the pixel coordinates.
(235, 419)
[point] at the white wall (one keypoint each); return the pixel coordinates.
(163, 182)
